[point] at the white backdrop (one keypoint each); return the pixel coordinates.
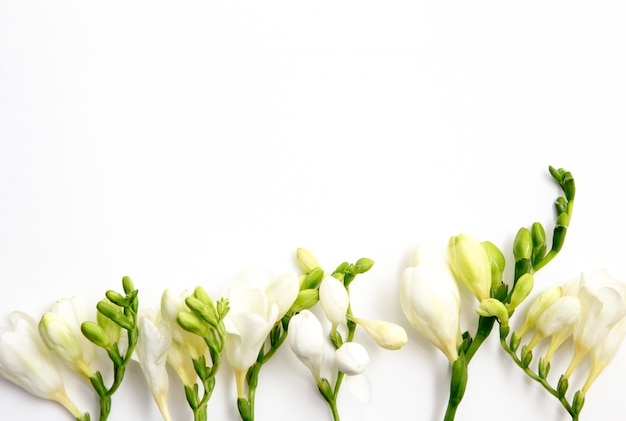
(180, 143)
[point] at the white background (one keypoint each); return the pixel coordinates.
(181, 142)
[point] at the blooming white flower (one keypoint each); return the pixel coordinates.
(61, 333)
(557, 321)
(603, 305)
(430, 301)
(351, 358)
(538, 306)
(602, 355)
(386, 334)
(470, 264)
(306, 340)
(152, 349)
(257, 301)
(25, 361)
(334, 300)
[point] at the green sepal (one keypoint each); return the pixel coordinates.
(324, 387)
(543, 368)
(192, 396)
(98, 384)
(527, 357)
(578, 402)
(245, 409)
(562, 386)
(458, 381)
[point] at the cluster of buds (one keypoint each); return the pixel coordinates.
(307, 339)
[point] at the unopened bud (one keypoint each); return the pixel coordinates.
(539, 242)
(192, 323)
(470, 264)
(306, 260)
(522, 290)
(362, 265)
(96, 334)
(523, 245)
(306, 299)
(497, 261)
(490, 307)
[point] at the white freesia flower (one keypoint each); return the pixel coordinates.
(386, 334)
(306, 340)
(430, 301)
(603, 306)
(334, 300)
(557, 321)
(602, 355)
(152, 349)
(257, 301)
(351, 358)
(60, 330)
(25, 361)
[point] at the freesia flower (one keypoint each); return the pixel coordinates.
(557, 321)
(603, 305)
(538, 306)
(602, 355)
(306, 340)
(351, 358)
(152, 349)
(334, 300)
(470, 264)
(25, 361)
(430, 300)
(257, 301)
(61, 333)
(386, 334)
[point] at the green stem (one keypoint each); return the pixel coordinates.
(485, 324)
(538, 379)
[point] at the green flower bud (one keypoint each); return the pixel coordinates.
(203, 311)
(117, 298)
(114, 313)
(522, 290)
(312, 279)
(203, 296)
(560, 230)
(514, 342)
(192, 323)
(470, 264)
(306, 260)
(306, 299)
(96, 334)
(496, 258)
(127, 284)
(523, 245)
(539, 242)
(362, 265)
(490, 307)
(113, 330)
(556, 174)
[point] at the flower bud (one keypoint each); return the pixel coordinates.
(59, 337)
(490, 307)
(497, 261)
(538, 235)
(362, 265)
(523, 245)
(192, 323)
(306, 260)
(96, 334)
(470, 264)
(334, 300)
(306, 299)
(387, 335)
(306, 340)
(351, 358)
(522, 290)
(113, 330)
